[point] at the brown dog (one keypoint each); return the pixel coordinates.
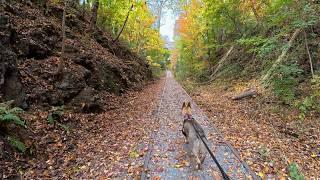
(189, 130)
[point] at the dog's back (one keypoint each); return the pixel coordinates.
(194, 126)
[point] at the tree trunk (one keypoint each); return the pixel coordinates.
(62, 57)
(94, 11)
(159, 18)
(309, 55)
(221, 62)
(83, 9)
(124, 24)
(281, 57)
(248, 93)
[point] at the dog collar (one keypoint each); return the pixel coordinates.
(187, 117)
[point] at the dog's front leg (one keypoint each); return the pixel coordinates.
(185, 135)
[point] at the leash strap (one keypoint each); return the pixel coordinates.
(224, 174)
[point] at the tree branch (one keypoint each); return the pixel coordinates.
(124, 24)
(309, 55)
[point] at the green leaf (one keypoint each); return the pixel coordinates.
(15, 110)
(66, 128)
(3, 110)
(13, 118)
(17, 144)
(50, 119)
(294, 172)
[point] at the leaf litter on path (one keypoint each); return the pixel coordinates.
(105, 145)
(259, 130)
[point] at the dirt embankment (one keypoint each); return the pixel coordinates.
(30, 44)
(95, 73)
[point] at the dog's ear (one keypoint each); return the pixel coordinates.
(183, 105)
(189, 105)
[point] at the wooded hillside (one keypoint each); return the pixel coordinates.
(256, 63)
(274, 41)
(67, 56)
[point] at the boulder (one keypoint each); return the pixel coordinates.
(10, 79)
(87, 101)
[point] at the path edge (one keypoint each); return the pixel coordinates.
(153, 134)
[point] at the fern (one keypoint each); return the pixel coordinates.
(3, 109)
(10, 115)
(12, 118)
(15, 110)
(17, 144)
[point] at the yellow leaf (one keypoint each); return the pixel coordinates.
(134, 154)
(177, 165)
(282, 178)
(261, 174)
(313, 155)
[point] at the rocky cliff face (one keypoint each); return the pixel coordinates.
(30, 44)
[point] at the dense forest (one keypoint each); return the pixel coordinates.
(268, 49)
(274, 41)
(86, 89)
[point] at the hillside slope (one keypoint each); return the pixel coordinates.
(98, 76)
(30, 45)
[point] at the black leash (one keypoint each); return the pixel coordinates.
(224, 174)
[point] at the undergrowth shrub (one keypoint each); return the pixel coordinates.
(306, 105)
(156, 68)
(284, 82)
(263, 47)
(9, 116)
(55, 116)
(231, 71)
(294, 172)
(315, 85)
(187, 69)
(311, 102)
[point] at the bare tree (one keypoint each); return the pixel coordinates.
(94, 11)
(62, 58)
(158, 8)
(308, 51)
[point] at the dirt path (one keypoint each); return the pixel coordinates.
(139, 137)
(168, 159)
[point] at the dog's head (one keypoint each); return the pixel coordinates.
(186, 109)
